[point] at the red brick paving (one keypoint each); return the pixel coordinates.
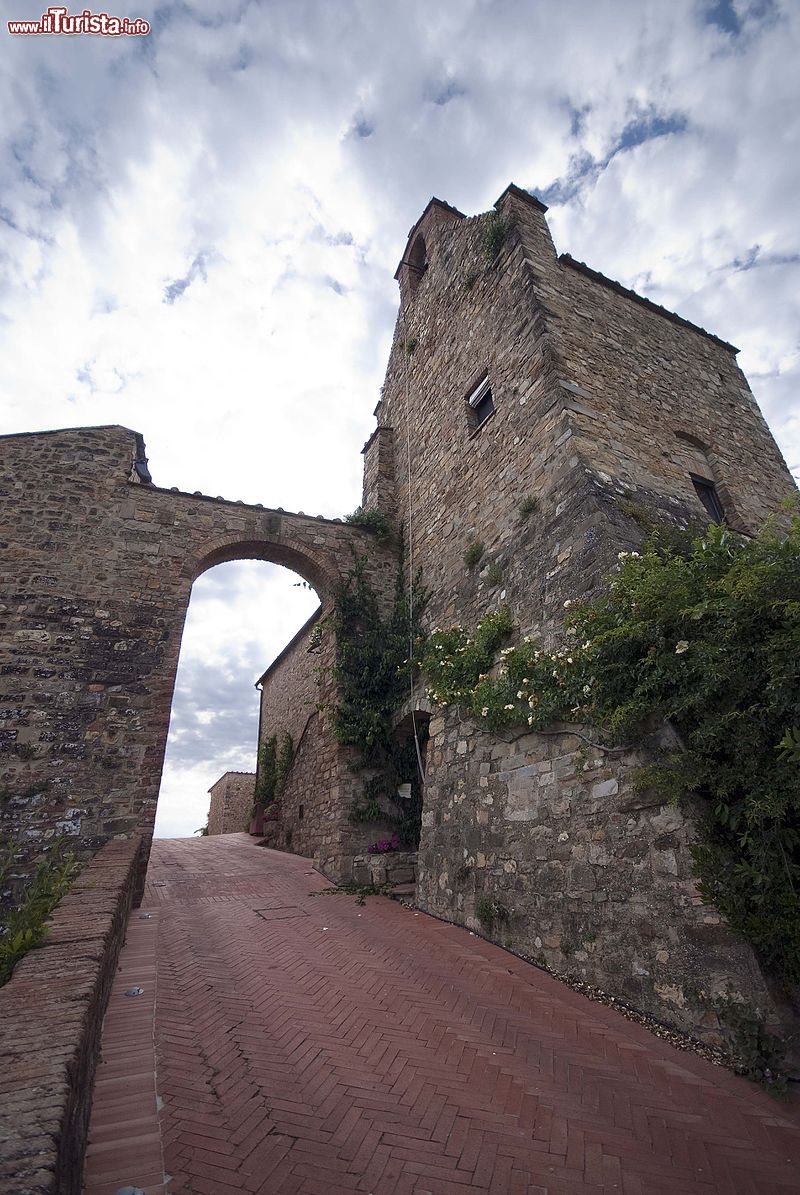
(306, 1045)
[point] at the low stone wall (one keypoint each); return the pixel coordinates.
(392, 868)
(51, 1015)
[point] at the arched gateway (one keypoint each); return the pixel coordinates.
(95, 577)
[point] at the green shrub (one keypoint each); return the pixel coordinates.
(758, 1053)
(273, 768)
(374, 669)
(490, 912)
(454, 661)
(474, 554)
(267, 773)
(372, 519)
(703, 633)
(495, 232)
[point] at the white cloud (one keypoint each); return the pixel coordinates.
(198, 229)
(240, 617)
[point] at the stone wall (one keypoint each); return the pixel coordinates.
(542, 842)
(51, 1015)
(231, 803)
(96, 570)
(393, 869)
(604, 407)
(290, 687)
(312, 815)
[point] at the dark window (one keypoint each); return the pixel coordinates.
(300, 812)
(707, 493)
(417, 262)
(480, 403)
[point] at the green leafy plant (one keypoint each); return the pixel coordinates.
(759, 1054)
(24, 926)
(494, 575)
(455, 661)
(495, 232)
(490, 912)
(411, 345)
(267, 780)
(789, 746)
(284, 762)
(474, 554)
(273, 769)
(373, 668)
(372, 519)
(527, 506)
(470, 278)
(702, 632)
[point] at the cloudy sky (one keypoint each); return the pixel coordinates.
(199, 229)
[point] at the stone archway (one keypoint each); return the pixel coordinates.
(97, 569)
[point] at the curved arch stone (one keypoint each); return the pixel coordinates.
(95, 580)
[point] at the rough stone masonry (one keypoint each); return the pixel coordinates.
(518, 380)
(95, 577)
(533, 406)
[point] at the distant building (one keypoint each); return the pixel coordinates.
(231, 802)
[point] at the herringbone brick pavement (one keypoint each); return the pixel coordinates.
(305, 1044)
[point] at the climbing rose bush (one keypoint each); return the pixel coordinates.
(702, 632)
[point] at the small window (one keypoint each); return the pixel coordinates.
(417, 262)
(707, 493)
(480, 404)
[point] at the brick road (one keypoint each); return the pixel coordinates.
(304, 1044)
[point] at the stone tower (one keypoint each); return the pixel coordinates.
(516, 373)
(534, 414)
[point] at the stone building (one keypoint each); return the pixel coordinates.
(531, 407)
(231, 803)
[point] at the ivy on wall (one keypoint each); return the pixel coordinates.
(273, 768)
(373, 668)
(702, 632)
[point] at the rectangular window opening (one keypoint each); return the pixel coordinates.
(707, 493)
(480, 403)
